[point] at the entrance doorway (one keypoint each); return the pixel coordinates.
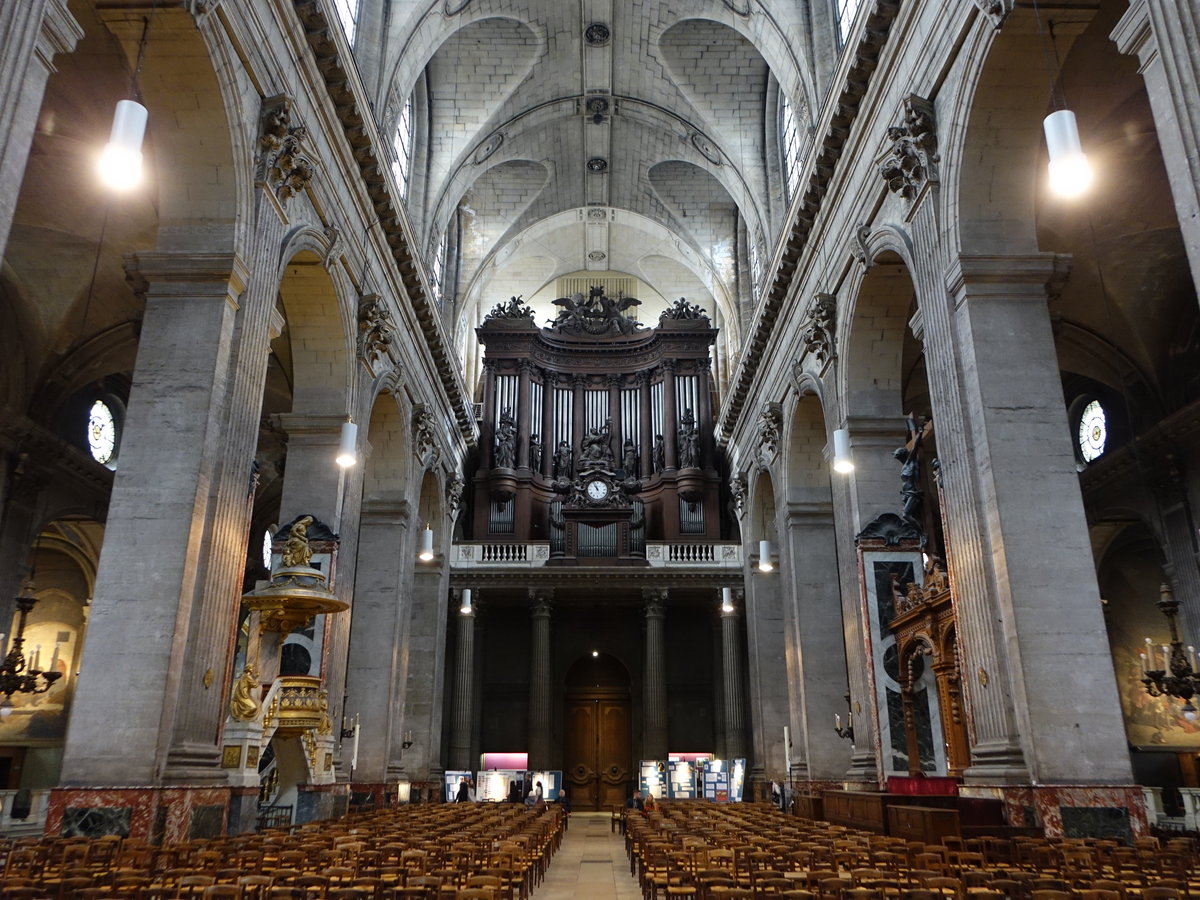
(597, 737)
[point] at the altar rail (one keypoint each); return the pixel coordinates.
(512, 555)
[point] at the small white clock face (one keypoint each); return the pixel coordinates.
(597, 490)
(1093, 431)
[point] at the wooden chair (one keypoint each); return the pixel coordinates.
(223, 892)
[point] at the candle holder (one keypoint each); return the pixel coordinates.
(16, 675)
(1177, 676)
(848, 732)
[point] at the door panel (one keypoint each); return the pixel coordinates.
(596, 764)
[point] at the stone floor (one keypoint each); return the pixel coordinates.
(590, 865)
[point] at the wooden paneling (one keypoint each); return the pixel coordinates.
(921, 823)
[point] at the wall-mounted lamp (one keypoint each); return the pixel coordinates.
(842, 463)
(1070, 171)
(120, 162)
(348, 446)
(466, 609)
(764, 557)
(726, 600)
(426, 553)
(407, 740)
(848, 731)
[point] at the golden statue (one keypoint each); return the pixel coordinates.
(326, 724)
(244, 704)
(296, 551)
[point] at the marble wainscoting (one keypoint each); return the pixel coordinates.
(1072, 810)
(158, 815)
(321, 801)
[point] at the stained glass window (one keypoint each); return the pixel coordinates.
(102, 432)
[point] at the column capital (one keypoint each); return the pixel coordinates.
(181, 274)
(541, 602)
(654, 602)
(60, 32)
(1133, 34)
(819, 513)
(1027, 275)
(312, 428)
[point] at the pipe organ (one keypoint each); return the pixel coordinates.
(597, 431)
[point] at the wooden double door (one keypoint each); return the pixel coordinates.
(597, 751)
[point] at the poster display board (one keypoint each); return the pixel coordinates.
(737, 780)
(450, 780)
(493, 785)
(714, 781)
(652, 778)
(552, 782)
(681, 780)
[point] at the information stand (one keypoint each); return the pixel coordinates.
(652, 778)
(450, 782)
(681, 783)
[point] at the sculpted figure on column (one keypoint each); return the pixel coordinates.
(506, 436)
(689, 442)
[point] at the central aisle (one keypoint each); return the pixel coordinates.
(590, 865)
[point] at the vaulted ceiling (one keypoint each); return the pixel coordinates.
(556, 136)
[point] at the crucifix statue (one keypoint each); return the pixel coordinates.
(910, 471)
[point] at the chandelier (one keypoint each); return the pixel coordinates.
(1177, 675)
(16, 675)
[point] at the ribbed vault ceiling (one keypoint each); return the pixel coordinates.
(670, 104)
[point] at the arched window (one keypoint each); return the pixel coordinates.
(402, 145)
(789, 144)
(347, 11)
(846, 9)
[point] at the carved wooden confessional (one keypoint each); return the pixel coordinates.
(597, 432)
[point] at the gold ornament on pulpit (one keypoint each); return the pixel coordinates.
(244, 705)
(297, 591)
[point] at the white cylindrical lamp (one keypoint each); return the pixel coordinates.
(120, 162)
(426, 553)
(764, 557)
(348, 446)
(842, 462)
(466, 608)
(1070, 171)
(726, 599)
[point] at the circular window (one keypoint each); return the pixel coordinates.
(266, 549)
(1093, 431)
(102, 432)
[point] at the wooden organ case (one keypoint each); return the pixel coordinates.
(597, 432)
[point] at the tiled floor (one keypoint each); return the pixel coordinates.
(590, 865)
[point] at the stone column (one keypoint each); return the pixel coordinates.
(617, 433)
(654, 678)
(487, 428)
(463, 713)
(873, 488)
(718, 654)
(670, 416)
(1029, 607)
(734, 679)
(1165, 37)
(816, 635)
(647, 424)
(149, 594)
(578, 386)
(314, 484)
(32, 33)
(541, 674)
(524, 414)
(549, 444)
(768, 672)
(704, 413)
(374, 691)
(424, 672)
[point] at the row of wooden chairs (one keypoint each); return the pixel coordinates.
(702, 851)
(465, 852)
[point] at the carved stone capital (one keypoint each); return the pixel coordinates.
(770, 418)
(541, 602)
(424, 435)
(739, 490)
(818, 334)
(910, 162)
(995, 10)
(376, 328)
(283, 166)
(454, 494)
(654, 602)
